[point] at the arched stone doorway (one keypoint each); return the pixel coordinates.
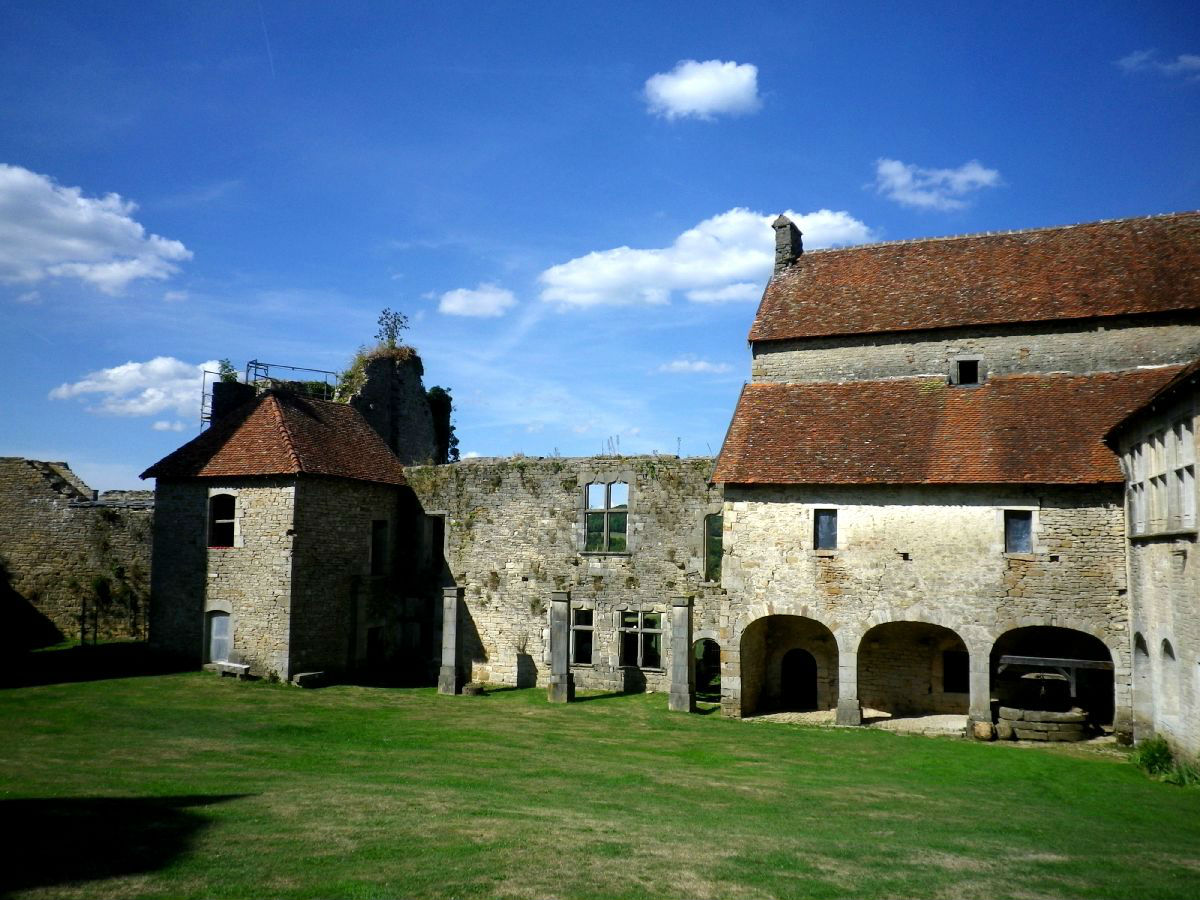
(706, 670)
(913, 669)
(1014, 686)
(774, 677)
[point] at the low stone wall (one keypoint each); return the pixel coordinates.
(66, 551)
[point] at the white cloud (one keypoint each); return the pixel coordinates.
(175, 296)
(484, 300)
(940, 189)
(703, 89)
(470, 454)
(163, 425)
(688, 366)
(47, 230)
(1185, 64)
(726, 258)
(142, 388)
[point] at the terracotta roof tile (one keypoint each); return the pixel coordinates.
(281, 433)
(1187, 379)
(1014, 429)
(1145, 265)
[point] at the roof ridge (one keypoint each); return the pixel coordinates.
(981, 234)
(941, 378)
(285, 432)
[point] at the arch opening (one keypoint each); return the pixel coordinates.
(706, 670)
(1046, 686)
(788, 663)
(913, 669)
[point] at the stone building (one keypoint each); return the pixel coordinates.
(72, 562)
(917, 491)
(1158, 447)
(914, 506)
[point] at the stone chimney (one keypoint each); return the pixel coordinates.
(228, 396)
(788, 244)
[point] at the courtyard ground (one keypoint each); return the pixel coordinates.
(188, 785)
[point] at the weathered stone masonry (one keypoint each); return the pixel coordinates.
(514, 534)
(62, 546)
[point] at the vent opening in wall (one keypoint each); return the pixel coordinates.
(966, 372)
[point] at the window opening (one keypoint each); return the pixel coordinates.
(607, 517)
(713, 547)
(581, 637)
(968, 371)
(220, 520)
(379, 546)
(825, 529)
(956, 678)
(641, 639)
(1018, 531)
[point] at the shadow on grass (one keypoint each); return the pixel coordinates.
(80, 839)
(587, 698)
(86, 663)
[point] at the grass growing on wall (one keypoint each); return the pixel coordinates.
(195, 786)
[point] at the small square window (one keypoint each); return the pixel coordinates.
(825, 529)
(1018, 531)
(581, 637)
(968, 371)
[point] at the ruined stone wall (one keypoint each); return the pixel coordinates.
(251, 581)
(392, 400)
(335, 599)
(515, 533)
(927, 554)
(1164, 588)
(1079, 347)
(61, 549)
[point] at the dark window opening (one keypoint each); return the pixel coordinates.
(1018, 531)
(641, 639)
(968, 371)
(581, 637)
(956, 678)
(220, 520)
(379, 547)
(713, 547)
(825, 529)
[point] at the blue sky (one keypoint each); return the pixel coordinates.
(570, 201)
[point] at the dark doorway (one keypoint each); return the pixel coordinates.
(706, 657)
(798, 680)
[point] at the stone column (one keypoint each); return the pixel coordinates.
(562, 685)
(683, 696)
(448, 674)
(849, 712)
(979, 713)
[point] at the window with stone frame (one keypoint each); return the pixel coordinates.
(582, 631)
(713, 547)
(221, 514)
(1161, 475)
(641, 639)
(606, 517)
(1181, 502)
(1018, 531)
(825, 536)
(379, 546)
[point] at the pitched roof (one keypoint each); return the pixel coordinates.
(1188, 378)
(1144, 265)
(281, 433)
(1013, 429)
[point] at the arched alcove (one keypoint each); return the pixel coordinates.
(1093, 685)
(768, 683)
(913, 668)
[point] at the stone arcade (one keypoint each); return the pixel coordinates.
(914, 506)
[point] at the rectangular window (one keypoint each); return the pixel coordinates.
(825, 529)
(1018, 531)
(968, 371)
(713, 541)
(379, 547)
(581, 637)
(641, 639)
(606, 519)
(220, 520)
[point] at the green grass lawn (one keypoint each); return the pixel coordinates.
(195, 786)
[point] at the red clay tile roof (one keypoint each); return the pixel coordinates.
(1013, 429)
(1130, 266)
(1188, 378)
(284, 434)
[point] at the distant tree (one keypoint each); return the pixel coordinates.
(390, 325)
(226, 370)
(441, 404)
